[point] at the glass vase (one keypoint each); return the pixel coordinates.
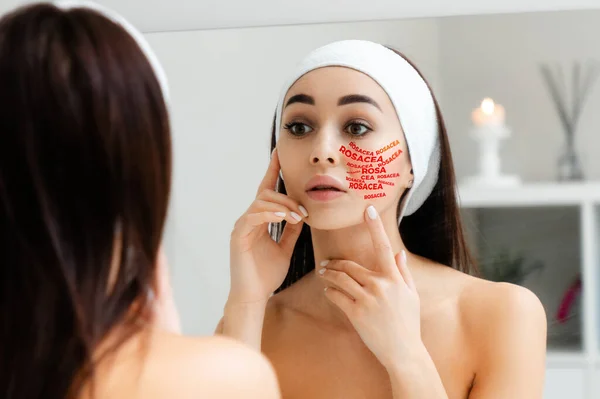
(569, 164)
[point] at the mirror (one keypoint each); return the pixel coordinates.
(535, 221)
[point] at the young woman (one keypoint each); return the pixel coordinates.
(375, 296)
(86, 309)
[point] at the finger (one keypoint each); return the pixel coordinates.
(247, 223)
(402, 263)
(270, 179)
(290, 235)
(353, 269)
(263, 206)
(279, 198)
(343, 282)
(341, 300)
(384, 255)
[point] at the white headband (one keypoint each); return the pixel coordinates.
(133, 32)
(409, 94)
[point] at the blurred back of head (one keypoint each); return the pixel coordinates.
(85, 167)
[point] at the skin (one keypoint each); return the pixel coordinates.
(159, 362)
(387, 326)
(327, 126)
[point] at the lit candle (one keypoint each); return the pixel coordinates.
(488, 114)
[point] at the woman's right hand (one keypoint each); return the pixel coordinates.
(259, 264)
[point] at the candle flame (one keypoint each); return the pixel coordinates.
(488, 106)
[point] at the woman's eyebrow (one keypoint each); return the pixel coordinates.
(358, 98)
(301, 98)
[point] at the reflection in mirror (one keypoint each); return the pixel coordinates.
(517, 93)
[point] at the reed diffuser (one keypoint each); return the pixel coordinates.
(569, 108)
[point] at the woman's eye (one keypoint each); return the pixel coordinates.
(357, 129)
(298, 129)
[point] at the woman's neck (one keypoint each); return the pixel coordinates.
(352, 243)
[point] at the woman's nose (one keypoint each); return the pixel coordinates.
(325, 150)
(320, 159)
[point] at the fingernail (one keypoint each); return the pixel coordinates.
(303, 210)
(372, 212)
(325, 289)
(404, 256)
(322, 271)
(280, 214)
(296, 216)
(324, 263)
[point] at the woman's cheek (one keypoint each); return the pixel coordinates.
(373, 173)
(289, 176)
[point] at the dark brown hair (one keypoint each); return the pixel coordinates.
(85, 152)
(434, 231)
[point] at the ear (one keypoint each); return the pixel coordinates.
(410, 179)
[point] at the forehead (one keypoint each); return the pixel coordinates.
(334, 82)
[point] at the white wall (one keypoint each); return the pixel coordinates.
(224, 86)
(498, 56)
(185, 15)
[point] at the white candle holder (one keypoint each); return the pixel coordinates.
(490, 175)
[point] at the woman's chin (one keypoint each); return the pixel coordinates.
(331, 219)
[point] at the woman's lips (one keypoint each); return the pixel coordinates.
(324, 188)
(324, 195)
(324, 181)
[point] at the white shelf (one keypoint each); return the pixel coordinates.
(577, 369)
(530, 194)
(567, 359)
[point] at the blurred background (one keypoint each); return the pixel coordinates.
(518, 86)
(519, 94)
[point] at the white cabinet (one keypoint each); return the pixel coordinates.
(596, 380)
(565, 383)
(555, 226)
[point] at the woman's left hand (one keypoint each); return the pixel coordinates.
(382, 305)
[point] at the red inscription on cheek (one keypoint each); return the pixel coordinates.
(376, 195)
(394, 156)
(353, 179)
(387, 147)
(356, 157)
(370, 174)
(365, 186)
(387, 183)
(360, 150)
(389, 176)
(359, 165)
(371, 171)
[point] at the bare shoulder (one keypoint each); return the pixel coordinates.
(484, 304)
(506, 326)
(188, 367)
(500, 308)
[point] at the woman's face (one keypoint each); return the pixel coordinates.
(341, 147)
